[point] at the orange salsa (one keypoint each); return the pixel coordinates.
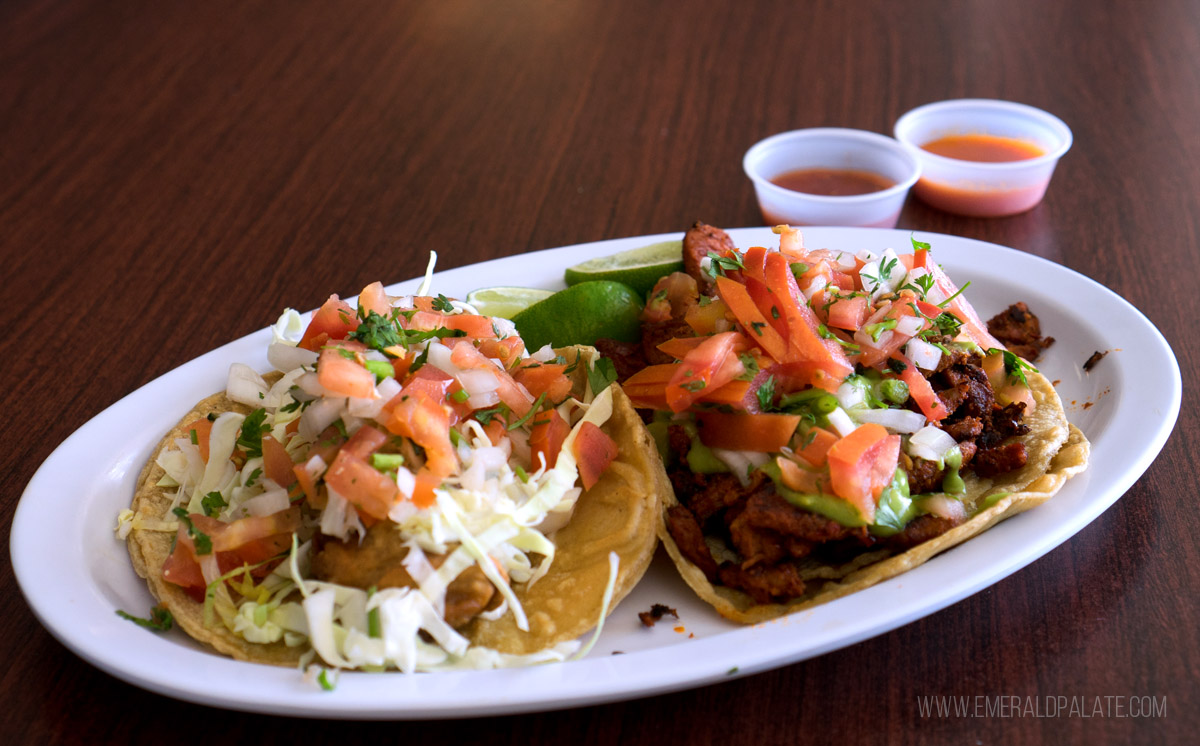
(984, 148)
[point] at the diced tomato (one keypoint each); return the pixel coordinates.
(710, 365)
(816, 450)
(515, 396)
(433, 383)
(427, 423)
(496, 430)
(333, 320)
(340, 372)
(746, 432)
(594, 451)
(771, 309)
(244, 541)
(546, 438)
(309, 485)
(367, 488)
(755, 261)
(861, 465)
(426, 483)
(848, 313)
(401, 365)
(873, 355)
(203, 430)
(277, 464)
(548, 378)
(475, 327)
(801, 479)
(921, 392)
(507, 350)
(373, 298)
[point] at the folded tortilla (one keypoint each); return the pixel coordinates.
(1056, 451)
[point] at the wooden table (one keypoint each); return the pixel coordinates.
(172, 174)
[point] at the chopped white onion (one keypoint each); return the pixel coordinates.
(846, 261)
(544, 355)
(909, 325)
(850, 396)
(818, 283)
(866, 340)
(311, 385)
(741, 462)
(268, 503)
(320, 415)
(944, 507)
(245, 385)
(865, 255)
(930, 443)
(841, 422)
(285, 357)
(896, 420)
(924, 355)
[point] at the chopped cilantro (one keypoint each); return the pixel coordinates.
(826, 334)
(443, 304)
(766, 393)
(601, 375)
(923, 285)
(1014, 366)
(918, 245)
(254, 475)
(199, 538)
(485, 416)
(719, 265)
(533, 410)
(250, 437)
(946, 302)
(758, 326)
(376, 332)
(419, 361)
(212, 503)
(160, 619)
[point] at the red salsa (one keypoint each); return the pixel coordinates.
(832, 182)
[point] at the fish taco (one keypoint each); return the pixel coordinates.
(410, 489)
(831, 419)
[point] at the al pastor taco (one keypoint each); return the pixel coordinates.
(411, 489)
(831, 419)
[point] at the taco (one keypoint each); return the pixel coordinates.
(411, 489)
(830, 420)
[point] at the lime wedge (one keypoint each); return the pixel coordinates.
(581, 314)
(505, 302)
(638, 268)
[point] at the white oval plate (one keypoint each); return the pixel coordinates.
(75, 573)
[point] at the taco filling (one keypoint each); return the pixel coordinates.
(410, 489)
(820, 412)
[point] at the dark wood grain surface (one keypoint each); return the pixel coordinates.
(174, 173)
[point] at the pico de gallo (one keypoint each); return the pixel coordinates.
(814, 402)
(402, 470)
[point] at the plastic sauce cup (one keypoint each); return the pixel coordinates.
(831, 148)
(976, 188)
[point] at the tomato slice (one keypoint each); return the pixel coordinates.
(710, 365)
(594, 451)
(367, 488)
(203, 430)
(427, 423)
(921, 392)
(373, 298)
(340, 372)
(804, 339)
(277, 464)
(848, 313)
(758, 329)
(475, 327)
(545, 378)
(333, 320)
(746, 432)
(546, 438)
(861, 465)
(816, 449)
